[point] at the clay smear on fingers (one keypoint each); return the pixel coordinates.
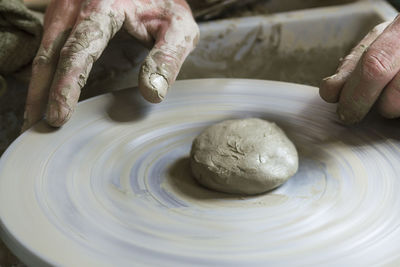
(82, 49)
(175, 34)
(376, 68)
(331, 86)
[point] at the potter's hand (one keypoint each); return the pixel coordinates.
(369, 74)
(76, 33)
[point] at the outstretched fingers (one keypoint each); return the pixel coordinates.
(78, 32)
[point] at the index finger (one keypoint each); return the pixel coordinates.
(376, 68)
(59, 19)
(87, 41)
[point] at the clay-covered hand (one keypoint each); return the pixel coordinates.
(77, 32)
(368, 75)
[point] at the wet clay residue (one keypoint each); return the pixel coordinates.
(299, 66)
(223, 51)
(267, 52)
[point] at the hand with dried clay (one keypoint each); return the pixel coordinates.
(77, 32)
(368, 75)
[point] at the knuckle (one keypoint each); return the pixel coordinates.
(358, 50)
(173, 56)
(168, 54)
(56, 97)
(67, 61)
(71, 47)
(41, 59)
(350, 59)
(377, 64)
(59, 99)
(165, 61)
(92, 29)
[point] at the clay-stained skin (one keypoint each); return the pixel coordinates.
(77, 32)
(248, 156)
(368, 75)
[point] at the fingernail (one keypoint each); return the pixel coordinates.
(159, 84)
(330, 77)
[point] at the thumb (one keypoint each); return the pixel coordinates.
(162, 65)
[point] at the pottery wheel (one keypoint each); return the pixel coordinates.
(113, 187)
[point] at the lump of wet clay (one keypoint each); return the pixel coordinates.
(245, 156)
